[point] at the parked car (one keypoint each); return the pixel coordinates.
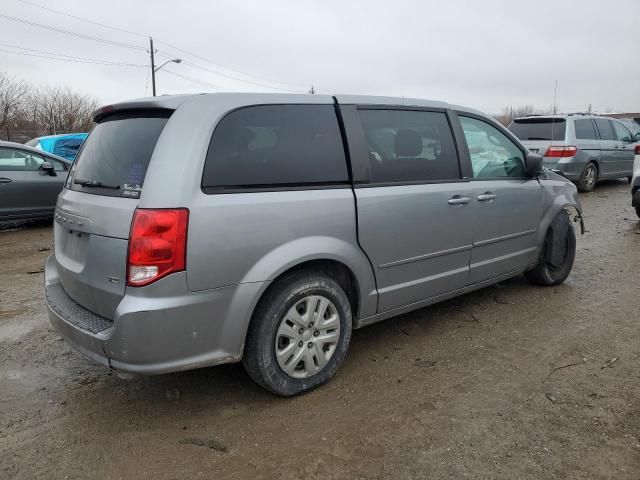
(583, 148)
(30, 181)
(632, 125)
(635, 182)
(65, 145)
(205, 229)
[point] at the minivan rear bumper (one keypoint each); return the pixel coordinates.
(568, 167)
(157, 329)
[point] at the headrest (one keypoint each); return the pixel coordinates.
(408, 143)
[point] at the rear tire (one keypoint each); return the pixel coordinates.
(554, 267)
(299, 334)
(638, 211)
(589, 178)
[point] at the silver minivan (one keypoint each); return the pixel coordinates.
(205, 229)
(584, 148)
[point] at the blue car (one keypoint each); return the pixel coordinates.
(65, 145)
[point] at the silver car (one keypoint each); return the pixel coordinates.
(583, 148)
(198, 230)
(30, 181)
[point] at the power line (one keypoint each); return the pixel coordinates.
(206, 84)
(194, 65)
(299, 88)
(67, 32)
(146, 82)
(226, 68)
(92, 60)
(82, 19)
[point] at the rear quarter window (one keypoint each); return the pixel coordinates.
(605, 129)
(276, 146)
(114, 158)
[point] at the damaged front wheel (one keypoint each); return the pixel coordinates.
(558, 253)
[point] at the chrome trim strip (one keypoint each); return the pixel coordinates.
(418, 281)
(503, 237)
(503, 257)
(427, 256)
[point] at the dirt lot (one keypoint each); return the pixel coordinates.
(511, 382)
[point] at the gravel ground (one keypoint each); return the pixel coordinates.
(510, 382)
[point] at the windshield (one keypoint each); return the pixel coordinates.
(114, 158)
(539, 128)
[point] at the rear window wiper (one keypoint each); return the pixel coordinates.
(94, 183)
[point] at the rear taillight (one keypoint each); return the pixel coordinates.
(560, 152)
(157, 245)
(637, 149)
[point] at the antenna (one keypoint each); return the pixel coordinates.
(555, 111)
(312, 90)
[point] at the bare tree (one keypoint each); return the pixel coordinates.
(61, 110)
(12, 93)
(509, 113)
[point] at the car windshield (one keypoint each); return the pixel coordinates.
(548, 128)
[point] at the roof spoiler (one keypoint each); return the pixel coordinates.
(153, 103)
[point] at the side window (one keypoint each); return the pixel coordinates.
(409, 146)
(605, 129)
(9, 161)
(585, 130)
(12, 159)
(33, 160)
(623, 134)
(276, 145)
(493, 154)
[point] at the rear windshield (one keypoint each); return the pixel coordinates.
(114, 158)
(539, 128)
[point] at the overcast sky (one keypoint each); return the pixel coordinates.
(485, 54)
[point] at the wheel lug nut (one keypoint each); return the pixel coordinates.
(300, 344)
(310, 324)
(310, 345)
(301, 331)
(316, 333)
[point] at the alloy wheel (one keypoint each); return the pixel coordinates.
(590, 176)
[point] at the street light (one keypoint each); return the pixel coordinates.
(154, 70)
(175, 60)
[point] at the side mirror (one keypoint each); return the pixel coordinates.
(533, 164)
(47, 167)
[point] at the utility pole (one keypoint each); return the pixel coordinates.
(153, 67)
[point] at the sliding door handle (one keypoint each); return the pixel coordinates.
(459, 200)
(486, 197)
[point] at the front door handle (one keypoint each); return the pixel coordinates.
(459, 200)
(486, 197)
(5, 180)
